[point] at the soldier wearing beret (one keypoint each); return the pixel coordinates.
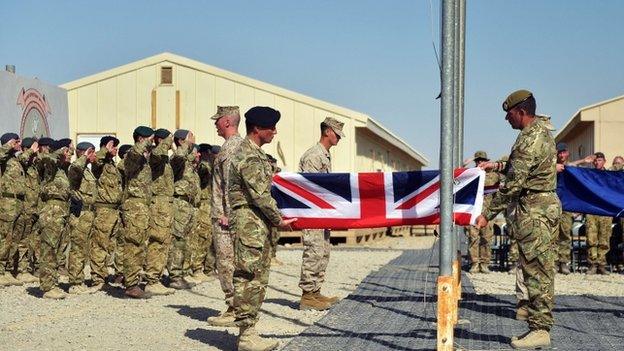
(598, 231)
(480, 240)
(316, 245)
(108, 198)
(83, 188)
(530, 183)
(135, 209)
(63, 251)
(53, 216)
(201, 249)
(226, 120)
(253, 214)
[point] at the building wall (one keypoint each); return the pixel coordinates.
(580, 141)
(117, 104)
(609, 128)
(375, 154)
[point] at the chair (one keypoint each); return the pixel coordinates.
(500, 246)
(579, 246)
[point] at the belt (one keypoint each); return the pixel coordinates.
(107, 205)
(15, 196)
(525, 192)
(186, 198)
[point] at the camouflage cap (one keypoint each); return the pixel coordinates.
(515, 98)
(225, 111)
(481, 155)
(335, 125)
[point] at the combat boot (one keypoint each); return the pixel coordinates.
(249, 340)
(199, 277)
(180, 284)
(225, 319)
(311, 301)
(484, 268)
(27, 278)
(522, 313)
(158, 289)
(136, 292)
(592, 269)
(602, 270)
(474, 269)
(55, 294)
(7, 279)
(534, 339)
(564, 268)
(97, 287)
(331, 299)
(80, 289)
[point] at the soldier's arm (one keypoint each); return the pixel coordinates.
(259, 186)
(134, 160)
(76, 172)
(160, 156)
(217, 190)
(178, 161)
(5, 153)
(311, 164)
(97, 166)
(47, 168)
(25, 156)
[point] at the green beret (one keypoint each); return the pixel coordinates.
(161, 133)
(106, 139)
(515, 98)
(181, 134)
(123, 149)
(144, 131)
(8, 136)
(204, 148)
(28, 142)
(262, 116)
(45, 141)
(84, 146)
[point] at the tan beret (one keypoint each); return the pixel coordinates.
(515, 98)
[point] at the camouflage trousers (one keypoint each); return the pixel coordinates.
(316, 249)
(275, 236)
(80, 230)
(536, 226)
(184, 220)
(252, 252)
(201, 250)
(222, 240)
(23, 250)
(10, 211)
(159, 237)
(598, 236)
(135, 215)
(52, 225)
(103, 242)
(63, 252)
(565, 237)
(479, 244)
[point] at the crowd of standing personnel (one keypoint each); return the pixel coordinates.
(157, 216)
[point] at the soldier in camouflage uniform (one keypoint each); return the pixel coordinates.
(53, 216)
(598, 232)
(566, 220)
(83, 187)
(479, 246)
(531, 177)
(12, 190)
(115, 254)
(316, 245)
(161, 213)
(108, 199)
(63, 251)
(201, 250)
(25, 224)
(253, 214)
(226, 120)
(135, 211)
(185, 202)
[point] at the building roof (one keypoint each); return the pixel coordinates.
(576, 117)
(364, 120)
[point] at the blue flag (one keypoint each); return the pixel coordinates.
(591, 191)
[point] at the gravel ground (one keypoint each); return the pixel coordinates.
(498, 283)
(106, 321)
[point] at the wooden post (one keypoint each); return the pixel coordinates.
(458, 281)
(446, 307)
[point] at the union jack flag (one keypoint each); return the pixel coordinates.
(368, 200)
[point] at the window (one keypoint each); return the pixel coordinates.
(166, 75)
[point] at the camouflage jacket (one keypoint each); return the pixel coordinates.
(82, 182)
(186, 180)
(220, 202)
(531, 166)
(250, 182)
(315, 160)
(54, 182)
(491, 178)
(162, 174)
(204, 171)
(137, 172)
(109, 182)
(13, 181)
(33, 185)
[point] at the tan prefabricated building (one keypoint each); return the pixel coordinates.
(172, 92)
(593, 128)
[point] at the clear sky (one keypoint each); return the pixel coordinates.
(371, 56)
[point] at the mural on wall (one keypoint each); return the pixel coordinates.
(35, 111)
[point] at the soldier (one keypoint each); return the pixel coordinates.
(566, 220)
(531, 180)
(12, 190)
(63, 251)
(186, 198)
(202, 259)
(108, 199)
(617, 165)
(479, 246)
(114, 256)
(316, 246)
(161, 213)
(53, 216)
(83, 188)
(135, 210)
(226, 120)
(598, 232)
(253, 214)
(26, 254)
